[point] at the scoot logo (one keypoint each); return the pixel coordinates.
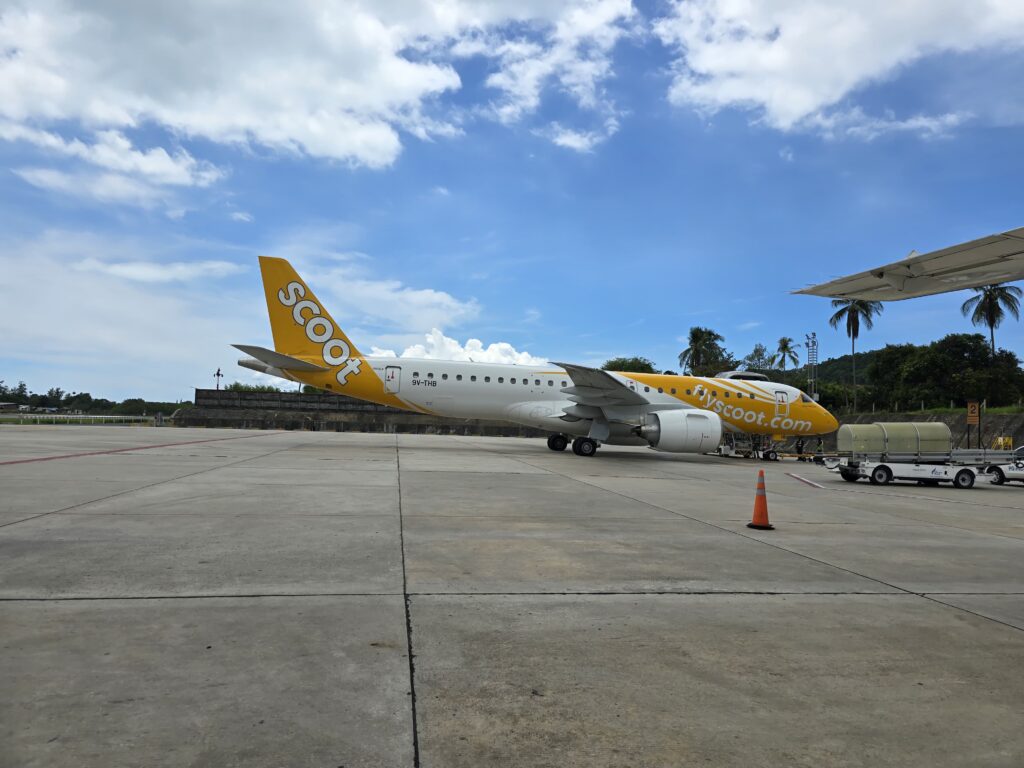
(319, 330)
(740, 416)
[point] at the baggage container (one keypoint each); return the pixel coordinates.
(904, 438)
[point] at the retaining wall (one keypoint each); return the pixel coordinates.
(332, 413)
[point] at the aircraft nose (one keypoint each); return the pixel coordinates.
(830, 422)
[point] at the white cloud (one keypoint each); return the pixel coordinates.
(338, 79)
(346, 281)
(441, 191)
(437, 346)
(241, 216)
(102, 187)
(83, 329)
(361, 296)
(854, 123)
(747, 326)
(580, 141)
(157, 272)
(575, 54)
(113, 151)
(794, 62)
(786, 153)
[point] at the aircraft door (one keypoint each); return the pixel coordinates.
(393, 379)
(781, 403)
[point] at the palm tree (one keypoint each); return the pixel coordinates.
(785, 353)
(853, 312)
(986, 308)
(703, 347)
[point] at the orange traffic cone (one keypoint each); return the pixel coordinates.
(760, 520)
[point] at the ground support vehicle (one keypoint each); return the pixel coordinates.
(962, 472)
(916, 451)
(1008, 472)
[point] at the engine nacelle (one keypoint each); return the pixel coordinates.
(682, 431)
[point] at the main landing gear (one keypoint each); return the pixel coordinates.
(581, 446)
(558, 442)
(584, 446)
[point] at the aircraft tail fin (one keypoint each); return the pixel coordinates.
(301, 325)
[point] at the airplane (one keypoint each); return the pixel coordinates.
(672, 413)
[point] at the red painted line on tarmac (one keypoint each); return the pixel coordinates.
(805, 480)
(135, 448)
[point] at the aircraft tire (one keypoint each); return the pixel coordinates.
(557, 442)
(584, 446)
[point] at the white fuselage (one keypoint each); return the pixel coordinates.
(533, 395)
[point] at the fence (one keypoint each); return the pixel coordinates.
(70, 418)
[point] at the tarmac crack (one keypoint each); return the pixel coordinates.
(408, 613)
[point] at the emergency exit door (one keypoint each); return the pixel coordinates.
(781, 403)
(392, 378)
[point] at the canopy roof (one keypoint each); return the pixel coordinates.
(985, 261)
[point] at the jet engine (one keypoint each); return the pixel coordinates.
(682, 431)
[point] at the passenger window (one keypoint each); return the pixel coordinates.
(726, 394)
(536, 382)
(551, 383)
(512, 381)
(563, 383)
(430, 375)
(714, 393)
(472, 378)
(415, 374)
(647, 389)
(526, 381)
(660, 390)
(501, 379)
(487, 379)
(673, 390)
(687, 391)
(444, 376)
(458, 377)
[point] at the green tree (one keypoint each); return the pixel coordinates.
(758, 359)
(853, 312)
(704, 354)
(237, 386)
(630, 364)
(785, 353)
(990, 305)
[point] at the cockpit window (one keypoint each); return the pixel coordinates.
(805, 399)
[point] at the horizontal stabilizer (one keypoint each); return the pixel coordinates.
(277, 360)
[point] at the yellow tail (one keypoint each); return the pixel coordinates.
(301, 326)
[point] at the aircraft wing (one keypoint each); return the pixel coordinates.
(594, 387)
(985, 261)
(278, 360)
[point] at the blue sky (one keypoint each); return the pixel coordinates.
(568, 181)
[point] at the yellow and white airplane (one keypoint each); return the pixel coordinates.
(682, 414)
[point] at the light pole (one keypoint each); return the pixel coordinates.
(217, 377)
(812, 364)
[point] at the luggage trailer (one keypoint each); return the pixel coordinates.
(920, 452)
